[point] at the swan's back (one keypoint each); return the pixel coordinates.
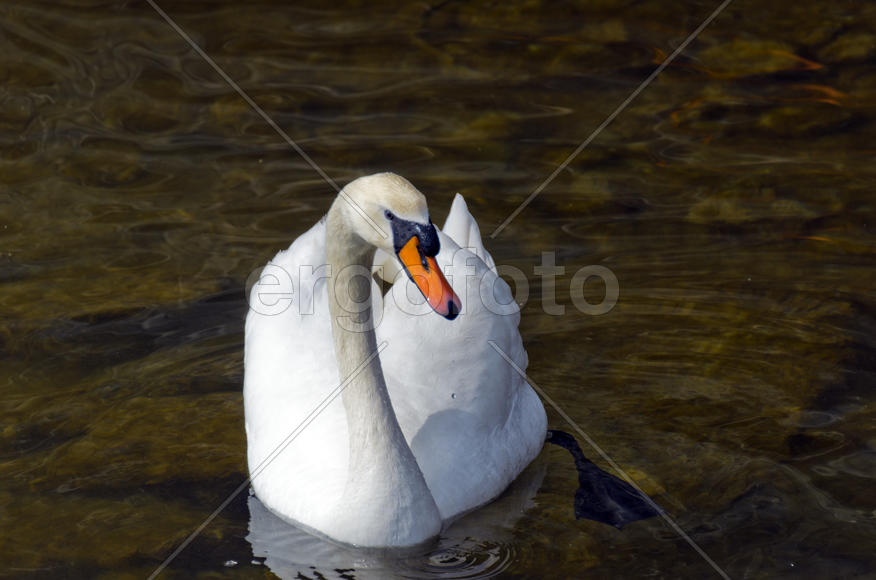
(472, 421)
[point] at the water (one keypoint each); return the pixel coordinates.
(733, 200)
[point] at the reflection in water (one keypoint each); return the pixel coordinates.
(479, 545)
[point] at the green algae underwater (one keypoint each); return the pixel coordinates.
(733, 200)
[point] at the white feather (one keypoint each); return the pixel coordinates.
(472, 422)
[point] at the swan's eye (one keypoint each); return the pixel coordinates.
(389, 215)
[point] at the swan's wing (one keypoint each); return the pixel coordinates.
(472, 421)
(291, 371)
(463, 229)
(290, 368)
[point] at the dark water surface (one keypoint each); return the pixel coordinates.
(734, 201)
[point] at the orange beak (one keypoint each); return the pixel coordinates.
(424, 272)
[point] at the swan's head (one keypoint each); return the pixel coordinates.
(389, 213)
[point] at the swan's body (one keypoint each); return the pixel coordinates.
(435, 425)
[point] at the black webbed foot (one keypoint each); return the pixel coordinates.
(601, 496)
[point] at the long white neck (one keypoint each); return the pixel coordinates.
(386, 498)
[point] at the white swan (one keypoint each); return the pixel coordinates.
(436, 425)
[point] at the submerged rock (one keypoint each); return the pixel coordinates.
(148, 441)
(852, 46)
(747, 57)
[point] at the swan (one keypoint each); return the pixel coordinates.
(430, 422)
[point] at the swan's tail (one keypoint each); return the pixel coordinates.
(462, 228)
